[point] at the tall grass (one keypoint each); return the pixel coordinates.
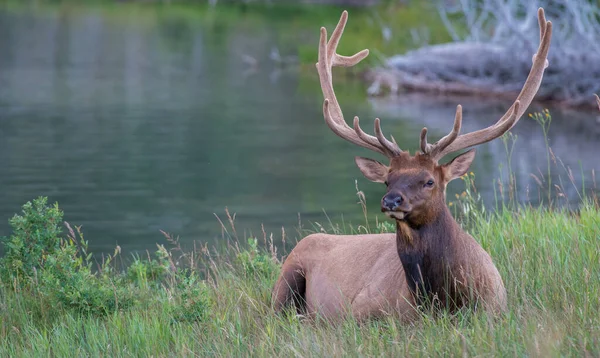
(216, 302)
(549, 260)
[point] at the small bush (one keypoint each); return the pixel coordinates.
(256, 263)
(38, 259)
(190, 300)
(35, 238)
(385, 227)
(151, 271)
(66, 281)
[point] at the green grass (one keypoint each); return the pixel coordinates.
(549, 260)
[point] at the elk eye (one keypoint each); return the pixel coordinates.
(429, 183)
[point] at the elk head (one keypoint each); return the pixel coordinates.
(416, 184)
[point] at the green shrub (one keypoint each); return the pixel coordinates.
(35, 238)
(189, 300)
(256, 263)
(151, 271)
(38, 259)
(68, 281)
(385, 227)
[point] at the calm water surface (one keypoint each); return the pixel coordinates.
(139, 122)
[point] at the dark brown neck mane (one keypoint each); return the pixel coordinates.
(428, 258)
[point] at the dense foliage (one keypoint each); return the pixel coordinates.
(55, 274)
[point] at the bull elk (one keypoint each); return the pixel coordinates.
(429, 258)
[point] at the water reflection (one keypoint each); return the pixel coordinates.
(573, 138)
(135, 124)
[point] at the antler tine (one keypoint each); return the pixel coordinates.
(434, 149)
(336, 35)
(425, 147)
(542, 22)
(328, 58)
(391, 147)
(597, 100)
(524, 99)
(364, 136)
(345, 132)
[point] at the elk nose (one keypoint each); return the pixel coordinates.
(391, 201)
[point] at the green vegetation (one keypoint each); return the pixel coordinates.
(218, 303)
(385, 29)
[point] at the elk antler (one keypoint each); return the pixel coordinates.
(597, 100)
(328, 58)
(453, 142)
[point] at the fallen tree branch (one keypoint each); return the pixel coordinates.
(495, 56)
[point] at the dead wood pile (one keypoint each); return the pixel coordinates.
(495, 57)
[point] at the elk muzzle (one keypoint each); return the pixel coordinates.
(391, 201)
(394, 205)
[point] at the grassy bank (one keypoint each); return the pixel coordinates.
(55, 302)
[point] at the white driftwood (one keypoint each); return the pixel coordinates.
(495, 57)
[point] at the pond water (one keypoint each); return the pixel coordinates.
(137, 121)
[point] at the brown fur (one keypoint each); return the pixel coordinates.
(429, 259)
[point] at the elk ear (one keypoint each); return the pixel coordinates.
(372, 169)
(458, 166)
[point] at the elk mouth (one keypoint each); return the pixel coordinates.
(398, 215)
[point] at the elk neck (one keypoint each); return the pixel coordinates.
(427, 254)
